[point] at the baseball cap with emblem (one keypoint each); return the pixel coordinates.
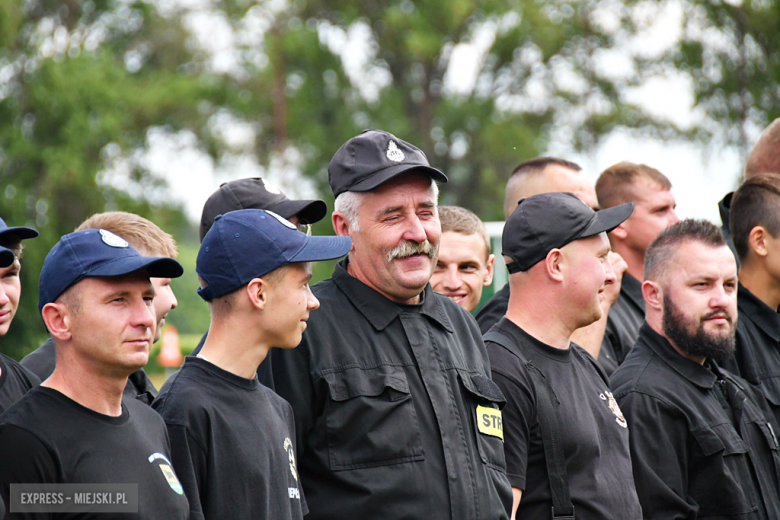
(257, 193)
(246, 244)
(95, 253)
(549, 221)
(373, 158)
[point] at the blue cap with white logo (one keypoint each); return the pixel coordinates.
(248, 243)
(7, 257)
(95, 253)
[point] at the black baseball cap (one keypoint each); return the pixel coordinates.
(373, 158)
(549, 221)
(257, 193)
(19, 232)
(246, 244)
(95, 253)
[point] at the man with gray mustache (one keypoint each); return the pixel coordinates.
(395, 412)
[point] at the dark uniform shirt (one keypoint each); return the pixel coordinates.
(385, 398)
(15, 381)
(594, 436)
(495, 308)
(701, 439)
(757, 358)
(47, 437)
(232, 444)
(625, 318)
(42, 361)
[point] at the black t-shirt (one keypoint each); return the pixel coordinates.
(625, 318)
(42, 361)
(233, 444)
(594, 432)
(15, 381)
(47, 437)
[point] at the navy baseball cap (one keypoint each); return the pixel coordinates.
(95, 253)
(19, 232)
(7, 257)
(373, 158)
(248, 243)
(549, 221)
(258, 193)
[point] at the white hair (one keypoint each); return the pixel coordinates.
(348, 204)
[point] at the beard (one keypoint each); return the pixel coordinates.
(677, 327)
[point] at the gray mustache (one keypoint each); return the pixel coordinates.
(410, 248)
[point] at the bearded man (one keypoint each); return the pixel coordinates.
(703, 441)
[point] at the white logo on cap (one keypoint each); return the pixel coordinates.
(270, 188)
(281, 219)
(393, 153)
(112, 240)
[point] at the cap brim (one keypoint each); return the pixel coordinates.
(607, 219)
(307, 211)
(21, 232)
(7, 257)
(318, 248)
(156, 267)
(382, 176)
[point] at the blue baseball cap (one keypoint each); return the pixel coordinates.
(248, 243)
(7, 257)
(19, 232)
(95, 253)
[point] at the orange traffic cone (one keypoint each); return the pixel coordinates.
(170, 352)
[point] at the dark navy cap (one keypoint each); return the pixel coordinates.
(248, 243)
(258, 193)
(549, 221)
(7, 257)
(95, 253)
(19, 232)
(373, 158)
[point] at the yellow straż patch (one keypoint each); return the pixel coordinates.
(489, 422)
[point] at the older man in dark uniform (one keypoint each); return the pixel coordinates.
(390, 377)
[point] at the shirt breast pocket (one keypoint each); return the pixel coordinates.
(485, 400)
(370, 419)
(725, 462)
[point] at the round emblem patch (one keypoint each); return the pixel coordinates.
(270, 188)
(281, 219)
(394, 153)
(113, 240)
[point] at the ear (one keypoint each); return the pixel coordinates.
(653, 294)
(620, 232)
(340, 224)
(57, 318)
(757, 241)
(257, 292)
(490, 265)
(554, 265)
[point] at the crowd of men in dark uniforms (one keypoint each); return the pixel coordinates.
(609, 379)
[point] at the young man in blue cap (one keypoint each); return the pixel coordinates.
(233, 438)
(566, 442)
(15, 380)
(96, 299)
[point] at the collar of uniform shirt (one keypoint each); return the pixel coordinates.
(750, 307)
(379, 310)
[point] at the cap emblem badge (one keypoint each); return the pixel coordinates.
(270, 188)
(112, 240)
(393, 153)
(281, 219)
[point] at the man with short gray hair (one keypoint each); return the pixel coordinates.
(396, 415)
